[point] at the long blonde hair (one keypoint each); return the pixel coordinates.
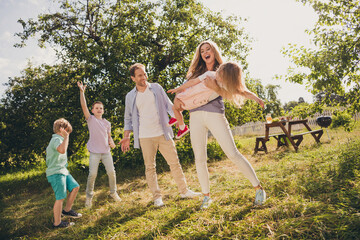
(198, 66)
(233, 82)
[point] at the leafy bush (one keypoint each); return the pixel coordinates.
(302, 111)
(343, 119)
(134, 159)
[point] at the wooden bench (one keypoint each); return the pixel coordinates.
(298, 138)
(281, 141)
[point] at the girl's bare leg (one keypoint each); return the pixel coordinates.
(178, 111)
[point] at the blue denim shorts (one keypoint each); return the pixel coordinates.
(60, 183)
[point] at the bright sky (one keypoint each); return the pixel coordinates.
(273, 24)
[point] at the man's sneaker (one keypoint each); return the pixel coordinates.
(88, 202)
(190, 194)
(182, 132)
(115, 196)
(260, 197)
(158, 202)
(172, 121)
(64, 224)
(206, 202)
(71, 213)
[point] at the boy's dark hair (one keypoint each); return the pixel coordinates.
(97, 102)
(134, 67)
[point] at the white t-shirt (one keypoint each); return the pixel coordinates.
(211, 74)
(149, 121)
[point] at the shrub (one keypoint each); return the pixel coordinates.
(342, 119)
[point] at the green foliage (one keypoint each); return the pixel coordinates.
(272, 103)
(290, 105)
(96, 42)
(334, 62)
(250, 111)
(33, 102)
(342, 119)
(305, 110)
(302, 111)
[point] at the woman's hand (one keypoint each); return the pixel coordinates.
(178, 105)
(211, 83)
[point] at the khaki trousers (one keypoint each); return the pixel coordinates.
(94, 162)
(149, 147)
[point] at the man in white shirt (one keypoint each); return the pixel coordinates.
(146, 114)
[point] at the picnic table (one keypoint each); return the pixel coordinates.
(294, 139)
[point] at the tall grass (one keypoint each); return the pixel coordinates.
(313, 194)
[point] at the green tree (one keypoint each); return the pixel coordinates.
(32, 103)
(333, 63)
(272, 103)
(96, 42)
(250, 111)
(290, 105)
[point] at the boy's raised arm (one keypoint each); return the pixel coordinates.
(85, 109)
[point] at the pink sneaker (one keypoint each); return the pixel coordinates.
(172, 121)
(182, 132)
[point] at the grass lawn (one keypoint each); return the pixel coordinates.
(312, 194)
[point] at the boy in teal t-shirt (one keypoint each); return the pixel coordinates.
(58, 175)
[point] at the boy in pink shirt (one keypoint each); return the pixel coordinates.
(99, 145)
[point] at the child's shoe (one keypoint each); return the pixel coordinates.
(71, 213)
(181, 133)
(206, 202)
(64, 224)
(158, 202)
(172, 121)
(260, 197)
(88, 202)
(115, 196)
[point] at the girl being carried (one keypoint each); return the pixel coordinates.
(227, 82)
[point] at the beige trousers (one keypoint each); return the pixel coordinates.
(149, 147)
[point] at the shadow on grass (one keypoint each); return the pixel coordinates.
(33, 184)
(28, 216)
(102, 225)
(26, 202)
(170, 224)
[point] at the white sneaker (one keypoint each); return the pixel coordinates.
(158, 202)
(190, 194)
(115, 196)
(88, 202)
